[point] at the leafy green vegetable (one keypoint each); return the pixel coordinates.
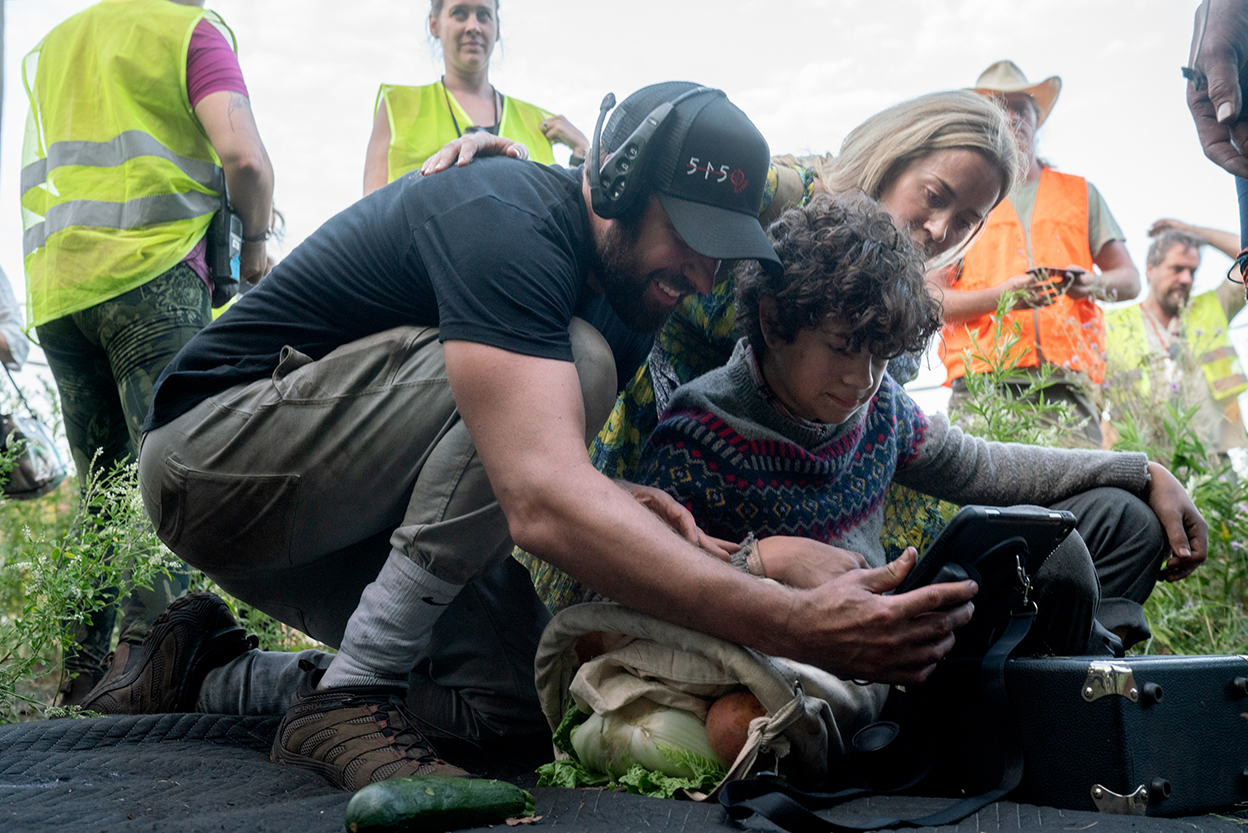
(572, 718)
(570, 774)
(657, 785)
(645, 749)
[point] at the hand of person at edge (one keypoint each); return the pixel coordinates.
(849, 627)
(461, 151)
(805, 562)
(559, 129)
(1185, 528)
(1217, 107)
(679, 519)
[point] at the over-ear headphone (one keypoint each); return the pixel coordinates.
(616, 188)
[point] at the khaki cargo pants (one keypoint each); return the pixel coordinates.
(290, 492)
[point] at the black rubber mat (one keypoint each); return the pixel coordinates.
(212, 773)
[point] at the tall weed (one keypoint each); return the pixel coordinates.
(56, 552)
(1205, 613)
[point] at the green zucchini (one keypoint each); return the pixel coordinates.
(435, 803)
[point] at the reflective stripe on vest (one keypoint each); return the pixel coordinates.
(119, 181)
(1068, 333)
(140, 211)
(421, 124)
(1207, 333)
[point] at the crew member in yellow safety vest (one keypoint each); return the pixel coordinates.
(410, 124)
(139, 118)
(1171, 338)
(1051, 220)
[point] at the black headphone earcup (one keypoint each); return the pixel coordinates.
(617, 187)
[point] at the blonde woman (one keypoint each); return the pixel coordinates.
(938, 164)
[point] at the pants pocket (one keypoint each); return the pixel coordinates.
(225, 524)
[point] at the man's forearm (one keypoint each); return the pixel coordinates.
(1224, 241)
(1121, 284)
(590, 528)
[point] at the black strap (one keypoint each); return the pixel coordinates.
(19, 390)
(790, 808)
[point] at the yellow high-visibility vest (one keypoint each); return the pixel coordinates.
(1208, 336)
(423, 120)
(119, 181)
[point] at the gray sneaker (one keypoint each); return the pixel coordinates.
(195, 634)
(354, 736)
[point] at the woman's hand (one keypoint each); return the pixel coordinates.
(559, 129)
(679, 519)
(1185, 528)
(1022, 285)
(461, 151)
(805, 562)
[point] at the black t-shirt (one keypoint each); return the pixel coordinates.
(495, 253)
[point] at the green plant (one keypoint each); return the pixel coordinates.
(1205, 613)
(56, 551)
(1006, 405)
(52, 573)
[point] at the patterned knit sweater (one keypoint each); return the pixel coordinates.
(725, 450)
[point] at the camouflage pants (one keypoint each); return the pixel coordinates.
(105, 360)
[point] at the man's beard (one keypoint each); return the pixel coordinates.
(618, 267)
(1174, 302)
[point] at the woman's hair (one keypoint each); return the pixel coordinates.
(844, 258)
(435, 7)
(877, 151)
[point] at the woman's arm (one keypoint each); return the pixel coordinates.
(960, 305)
(376, 164)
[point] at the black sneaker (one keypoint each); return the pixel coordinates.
(195, 634)
(354, 736)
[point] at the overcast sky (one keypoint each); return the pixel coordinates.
(806, 72)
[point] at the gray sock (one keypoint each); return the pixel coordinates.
(258, 682)
(390, 628)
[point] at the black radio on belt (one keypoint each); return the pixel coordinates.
(225, 241)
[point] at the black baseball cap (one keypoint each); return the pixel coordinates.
(709, 170)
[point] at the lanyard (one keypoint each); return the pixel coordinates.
(471, 128)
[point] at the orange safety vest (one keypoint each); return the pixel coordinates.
(1068, 333)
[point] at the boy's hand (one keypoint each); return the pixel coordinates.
(679, 519)
(850, 628)
(1185, 528)
(804, 562)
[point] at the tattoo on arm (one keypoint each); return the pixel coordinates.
(238, 101)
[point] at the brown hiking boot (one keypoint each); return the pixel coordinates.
(354, 736)
(195, 634)
(74, 690)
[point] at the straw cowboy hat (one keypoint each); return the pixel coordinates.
(1005, 77)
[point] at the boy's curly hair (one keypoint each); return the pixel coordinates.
(843, 257)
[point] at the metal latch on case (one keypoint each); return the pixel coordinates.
(1106, 678)
(1108, 801)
